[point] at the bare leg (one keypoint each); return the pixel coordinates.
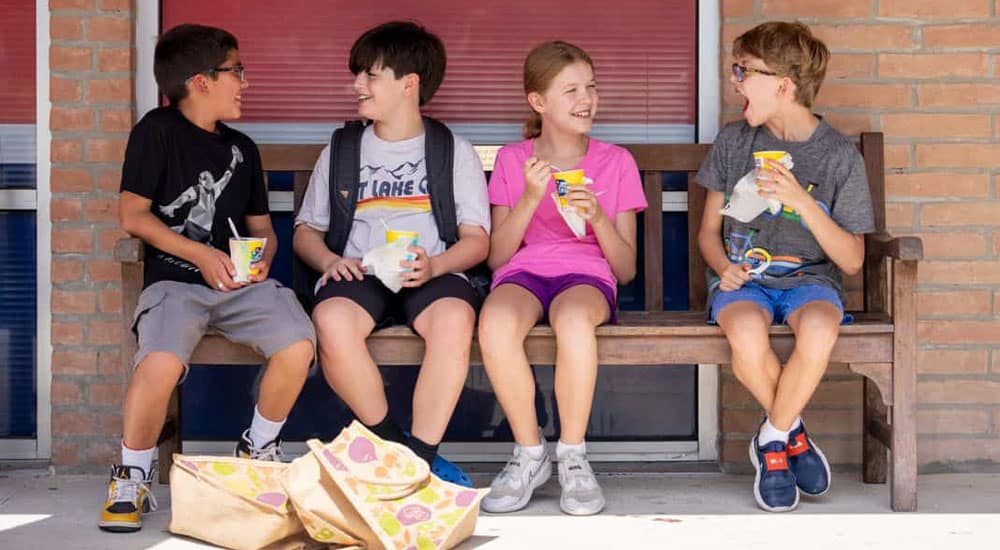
(146, 399)
(341, 329)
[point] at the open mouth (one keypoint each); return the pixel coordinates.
(581, 114)
(363, 98)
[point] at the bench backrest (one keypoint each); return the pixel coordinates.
(653, 162)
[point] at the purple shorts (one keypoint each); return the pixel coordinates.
(547, 288)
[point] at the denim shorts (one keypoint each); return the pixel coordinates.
(780, 303)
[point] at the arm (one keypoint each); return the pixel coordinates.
(135, 218)
(260, 226)
(617, 241)
(472, 248)
(309, 245)
(732, 276)
(509, 224)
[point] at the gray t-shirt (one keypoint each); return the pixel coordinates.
(827, 165)
(393, 190)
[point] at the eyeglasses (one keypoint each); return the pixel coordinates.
(238, 70)
(740, 72)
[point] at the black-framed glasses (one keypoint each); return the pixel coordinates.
(740, 72)
(238, 70)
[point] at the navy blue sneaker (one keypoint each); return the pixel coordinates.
(774, 485)
(807, 463)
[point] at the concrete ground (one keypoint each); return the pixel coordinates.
(655, 510)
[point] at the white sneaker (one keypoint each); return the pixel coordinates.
(512, 488)
(269, 453)
(581, 495)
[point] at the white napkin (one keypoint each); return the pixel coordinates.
(383, 262)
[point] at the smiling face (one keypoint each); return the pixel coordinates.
(380, 93)
(224, 92)
(570, 102)
(761, 93)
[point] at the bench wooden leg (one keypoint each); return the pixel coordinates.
(903, 490)
(170, 443)
(874, 453)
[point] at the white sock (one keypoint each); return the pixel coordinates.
(796, 424)
(534, 452)
(142, 458)
(563, 449)
(769, 433)
(262, 430)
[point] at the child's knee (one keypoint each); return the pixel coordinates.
(159, 369)
(298, 354)
(446, 320)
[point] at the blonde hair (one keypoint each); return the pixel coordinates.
(541, 66)
(791, 50)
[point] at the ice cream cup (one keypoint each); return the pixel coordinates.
(244, 252)
(760, 159)
(564, 181)
(392, 235)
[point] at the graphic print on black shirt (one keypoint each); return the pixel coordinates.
(196, 180)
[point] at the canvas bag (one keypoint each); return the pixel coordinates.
(232, 502)
(360, 490)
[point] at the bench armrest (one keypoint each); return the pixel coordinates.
(884, 245)
(129, 251)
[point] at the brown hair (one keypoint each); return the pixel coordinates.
(791, 50)
(541, 66)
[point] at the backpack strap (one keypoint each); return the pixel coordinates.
(344, 180)
(439, 159)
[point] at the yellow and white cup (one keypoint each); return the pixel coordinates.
(760, 159)
(564, 182)
(244, 252)
(393, 235)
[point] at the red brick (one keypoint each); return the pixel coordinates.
(72, 240)
(103, 271)
(835, 94)
(106, 150)
(899, 125)
(66, 210)
(961, 36)
(111, 60)
(67, 334)
(837, 392)
(109, 29)
(65, 28)
(116, 120)
(950, 421)
(798, 8)
(109, 237)
(106, 450)
(850, 124)
(958, 391)
(65, 58)
(933, 65)
(65, 150)
(737, 8)
(64, 89)
(851, 65)
(954, 245)
(111, 302)
(74, 362)
(864, 37)
(105, 394)
(996, 243)
(109, 363)
(960, 213)
(71, 120)
(934, 8)
(103, 332)
(110, 90)
(898, 156)
(958, 95)
(64, 271)
(71, 180)
(102, 210)
(959, 273)
(109, 180)
(74, 301)
(70, 4)
(952, 361)
(65, 453)
(951, 451)
(937, 184)
(898, 214)
(74, 423)
(960, 332)
(118, 5)
(959, 155)
(66, 393)
(973, 302)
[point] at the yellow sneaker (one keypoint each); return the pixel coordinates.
(129, 497)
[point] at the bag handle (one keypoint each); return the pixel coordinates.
(367, 451)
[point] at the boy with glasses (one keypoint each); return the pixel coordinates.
(817, 234)
(186, 175)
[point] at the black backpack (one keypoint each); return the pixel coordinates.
(344, 181)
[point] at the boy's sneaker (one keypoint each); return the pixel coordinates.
(774, 485)
(581, 495)
(807, 463)
(129, 497)
(269, 453)
(512, 488)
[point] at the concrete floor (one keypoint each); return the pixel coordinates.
(661, 510)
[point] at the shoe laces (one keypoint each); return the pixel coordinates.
(128, 490)
(511, 473)
(577, 473)
(270, 453)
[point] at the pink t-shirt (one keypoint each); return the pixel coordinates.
(549, 248)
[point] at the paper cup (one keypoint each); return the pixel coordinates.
(563, 182)
(759, 163)
(392, 235)
(244, 252)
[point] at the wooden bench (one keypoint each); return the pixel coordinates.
(881, 345)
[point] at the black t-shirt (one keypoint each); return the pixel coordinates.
(196, 179)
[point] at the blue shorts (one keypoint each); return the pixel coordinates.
(779, 303)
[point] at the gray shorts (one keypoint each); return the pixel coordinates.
(173, 316)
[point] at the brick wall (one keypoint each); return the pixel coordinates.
(91, 88)
(925, 73)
